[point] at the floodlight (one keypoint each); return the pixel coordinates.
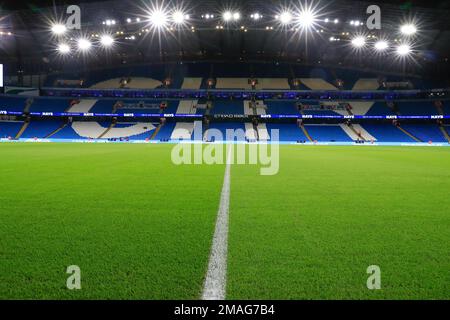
(381, 45)
(236, 16)
(106, 40)
(84, 44)
(403, 49)
(59, 29)
(306, 18)
(158, 18)
(178, 17)
(227, 16)
(64, 48)
(285, 17)
(408, 29)
(256, 16)
(359, 42)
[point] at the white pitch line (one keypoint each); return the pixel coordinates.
(214, 287)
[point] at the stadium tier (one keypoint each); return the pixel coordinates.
(217, 131)
(162, 120)
(232, 76)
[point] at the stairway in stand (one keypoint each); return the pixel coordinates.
(22, 130)
(155, 133)
(56, 131)
(409, 134)
(112, 125)
(445, 133)
(306, 133)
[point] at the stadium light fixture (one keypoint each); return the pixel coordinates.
(403, 50)
(256, 16)
(158, 18)
(306, 18)
(408, 29)
(359, 42)
(236, 16)
(59, 29)
(227, 16)
(106, 40)
(381, 45)
(84, 44)
(179, 17)
(63, 48)
(285, 17)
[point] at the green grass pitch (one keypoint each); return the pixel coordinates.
(141, 227)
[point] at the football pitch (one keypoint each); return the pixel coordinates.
(141, 227)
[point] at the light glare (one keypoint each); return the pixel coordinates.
(64, 48)
(403, 49)
(306, 18)
(408, 29)
(106, 40)
(84, 44)
(381, 45)
(158, 18)
(59, 29)
(227, 16)
(285, 17)
(359, 42)
(178, 17)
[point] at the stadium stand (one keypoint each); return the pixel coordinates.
(41, 129)
(50, 105)
(233, 83)
(187, 107)
(222, 127)
(287, 132)
(425, 133)
(327, 133)
(228, 107)
(192, 83)
(11, 103)
(9, 129)
(273, 83)
(281, 107)
(387, 133)
(263, 134)
(183, 131)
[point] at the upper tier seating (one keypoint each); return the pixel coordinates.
(233, 83)
(10, 103)
(50, 105)
(131, 83)
(228, 107)
(273, 83)
(281, 107)
(380, 109)
(416, 108)
(192, 83)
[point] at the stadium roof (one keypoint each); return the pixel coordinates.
(28, 45)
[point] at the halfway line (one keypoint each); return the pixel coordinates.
(214, 287)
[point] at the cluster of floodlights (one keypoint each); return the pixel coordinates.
(305, 19)
(403, 49)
